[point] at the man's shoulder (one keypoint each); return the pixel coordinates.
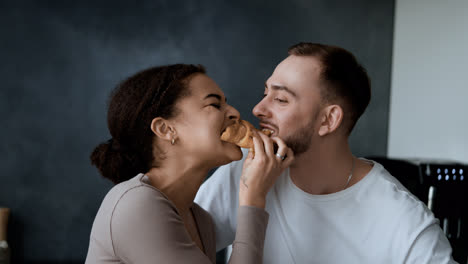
(396, 198)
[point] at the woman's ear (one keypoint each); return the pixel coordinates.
(162, 129)
(332, 116)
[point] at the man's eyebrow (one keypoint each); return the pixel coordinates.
(281, 88)
(217, 96)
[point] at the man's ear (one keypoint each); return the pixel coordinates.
(162, 129)
(332, 116)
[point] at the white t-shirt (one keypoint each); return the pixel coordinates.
(376, 220)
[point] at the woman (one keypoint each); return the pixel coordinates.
(165, 124)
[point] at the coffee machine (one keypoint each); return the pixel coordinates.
(443, 186)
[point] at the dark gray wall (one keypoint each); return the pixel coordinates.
(59, 61)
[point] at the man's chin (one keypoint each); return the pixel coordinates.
(298, 146)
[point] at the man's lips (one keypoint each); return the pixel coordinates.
(268, 126)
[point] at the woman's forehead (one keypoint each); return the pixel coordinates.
(201, 85)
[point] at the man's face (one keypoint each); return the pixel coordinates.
(291, 103)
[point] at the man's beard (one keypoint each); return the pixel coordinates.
(301, 141)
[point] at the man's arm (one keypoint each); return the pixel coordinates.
(219, 196)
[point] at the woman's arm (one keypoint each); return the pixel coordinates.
(259, 174)
(250, 235)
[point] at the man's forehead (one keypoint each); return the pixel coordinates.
(296, 72)
(300, 64)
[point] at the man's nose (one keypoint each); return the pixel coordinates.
(261, 110)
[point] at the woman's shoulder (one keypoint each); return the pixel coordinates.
(133, 195)
(137, 191)
(129, 202)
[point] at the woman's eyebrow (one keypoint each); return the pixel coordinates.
(217, 96)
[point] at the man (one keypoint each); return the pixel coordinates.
(329, 206)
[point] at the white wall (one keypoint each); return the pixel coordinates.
(429, 92)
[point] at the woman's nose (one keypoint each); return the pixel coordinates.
(232, 113)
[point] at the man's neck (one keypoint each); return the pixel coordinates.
(323, 169)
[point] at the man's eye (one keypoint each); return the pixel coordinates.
(281, 100)
(218, 106)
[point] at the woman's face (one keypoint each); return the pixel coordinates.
(203, 117)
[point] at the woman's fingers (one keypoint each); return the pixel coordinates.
(268, 144)
(258, 146)
(261, 171)
(289, 158)
(284, 154)
(282, 150)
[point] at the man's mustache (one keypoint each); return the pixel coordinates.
(264, 122)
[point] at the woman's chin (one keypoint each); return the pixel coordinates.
(238, 154)
(231, 152)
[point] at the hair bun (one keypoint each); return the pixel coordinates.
(115, 145)
(113, 161)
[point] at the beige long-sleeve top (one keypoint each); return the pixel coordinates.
(137, 223)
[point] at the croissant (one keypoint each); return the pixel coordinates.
(241, 134)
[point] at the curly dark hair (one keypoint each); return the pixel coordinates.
(344, 78)
(134, 103)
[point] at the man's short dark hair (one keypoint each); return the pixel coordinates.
(345, 81)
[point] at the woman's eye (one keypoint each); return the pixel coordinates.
(281, 100)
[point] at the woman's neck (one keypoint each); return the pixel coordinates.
(180, 183)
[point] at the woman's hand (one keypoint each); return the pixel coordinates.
(261, 170)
